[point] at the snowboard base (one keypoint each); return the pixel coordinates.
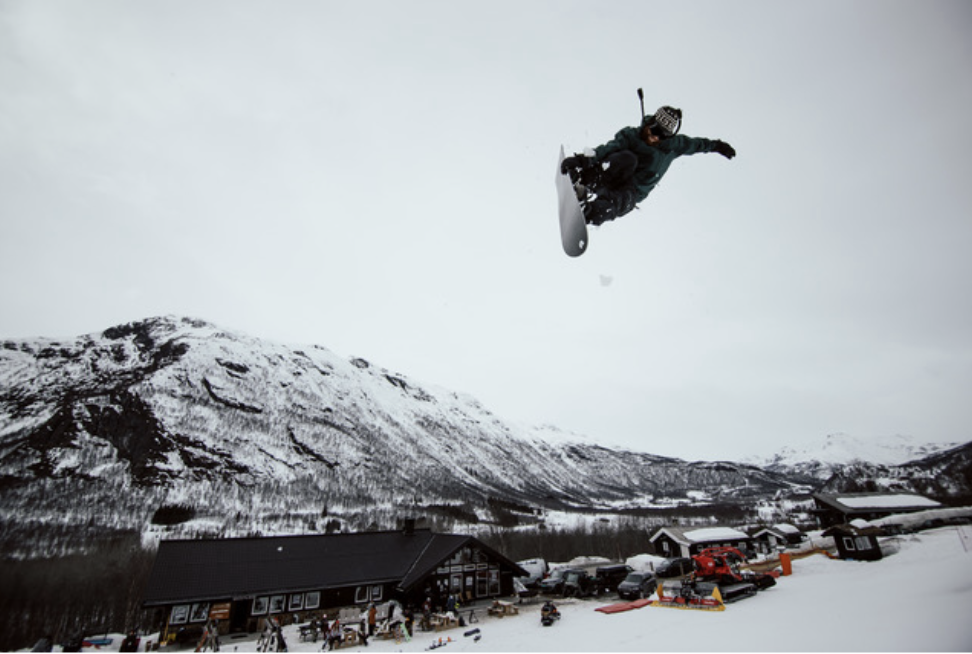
(573, 227)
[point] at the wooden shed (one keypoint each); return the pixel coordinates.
(777, 537)
(674, 541)
(856, 542)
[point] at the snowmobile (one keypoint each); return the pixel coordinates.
(549, 614)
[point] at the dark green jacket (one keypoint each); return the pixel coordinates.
(653, 161)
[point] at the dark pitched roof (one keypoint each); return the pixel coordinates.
(862, 503)
(198, 570)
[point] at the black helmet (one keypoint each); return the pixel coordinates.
(666, 121)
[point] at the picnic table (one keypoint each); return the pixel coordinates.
(502, 608)
(443, 621)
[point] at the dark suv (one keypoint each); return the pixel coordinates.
(609, 577)
(637, 585)
(580, 583)
(672, 568)
(554, 584)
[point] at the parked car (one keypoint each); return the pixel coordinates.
(554, 583)
(637, 585)
(580, 583)
(673, 568)
(609, 577)
(537, 569)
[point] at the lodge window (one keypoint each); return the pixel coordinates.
(862, 543)
(199, 613)
(260, 606)
(365, 594)
(296, 603)
(849, 543)
(179, 615)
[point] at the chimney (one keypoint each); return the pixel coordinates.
(408, 527)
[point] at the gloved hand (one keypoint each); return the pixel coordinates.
(576, 161)
(722, 148)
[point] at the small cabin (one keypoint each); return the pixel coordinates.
(778, 537)
(856, 542)
(674, 542)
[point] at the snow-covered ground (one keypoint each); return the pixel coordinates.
(918, 599)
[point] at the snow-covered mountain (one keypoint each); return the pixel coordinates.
(174, 420)
(249, 435)
(822, 458)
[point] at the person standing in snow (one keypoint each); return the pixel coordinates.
(372, 619)
(335, 635)
(616, 176)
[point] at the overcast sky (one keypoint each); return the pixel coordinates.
(377, 178)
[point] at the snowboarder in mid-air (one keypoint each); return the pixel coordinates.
(616, 176)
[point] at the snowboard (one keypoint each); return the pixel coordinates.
(573, 227)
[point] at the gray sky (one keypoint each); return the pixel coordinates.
(377, 178)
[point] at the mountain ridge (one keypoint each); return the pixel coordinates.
(110, 428)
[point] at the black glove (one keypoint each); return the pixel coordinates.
(722, 148)
(576, 161)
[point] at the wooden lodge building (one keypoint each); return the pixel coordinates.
(241, 581)
(841, 508)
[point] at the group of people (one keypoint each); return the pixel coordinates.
(336, 632)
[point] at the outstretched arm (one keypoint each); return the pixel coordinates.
(695, 144)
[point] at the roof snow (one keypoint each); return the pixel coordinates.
(887, 501)
(785, 528)
(714, 533)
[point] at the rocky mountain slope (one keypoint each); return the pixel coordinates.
(170, 420)
(822, 459)
(945, 475)
(170, 412)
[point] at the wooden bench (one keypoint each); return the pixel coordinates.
(349, 636)
(308, 632)
(443, 621)
(501, 609)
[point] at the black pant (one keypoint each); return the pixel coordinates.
(614, 187)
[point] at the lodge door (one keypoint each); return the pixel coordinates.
(455, 584)
(239, 616)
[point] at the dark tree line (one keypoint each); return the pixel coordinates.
(60, 597)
